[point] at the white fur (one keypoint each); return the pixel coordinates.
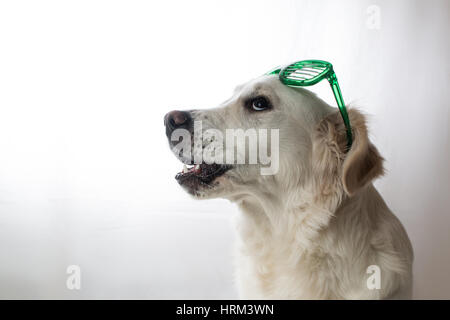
(312, 230)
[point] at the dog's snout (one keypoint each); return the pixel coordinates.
(176, 119)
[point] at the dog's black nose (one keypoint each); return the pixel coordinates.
(176, 119)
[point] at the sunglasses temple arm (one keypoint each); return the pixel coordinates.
(332, 79)
(274, 71)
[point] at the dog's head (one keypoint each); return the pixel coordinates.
(289, 139)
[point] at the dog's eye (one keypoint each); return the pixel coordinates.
(259, 104)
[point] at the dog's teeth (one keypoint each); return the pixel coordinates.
(185, 169)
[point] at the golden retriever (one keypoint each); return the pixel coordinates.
(314, 229)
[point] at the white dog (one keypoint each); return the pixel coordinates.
(317, 228)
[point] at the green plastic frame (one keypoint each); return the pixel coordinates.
(309, 72)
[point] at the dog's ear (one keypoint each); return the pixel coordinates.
(354, 168)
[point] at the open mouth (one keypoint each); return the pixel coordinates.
(200, 174)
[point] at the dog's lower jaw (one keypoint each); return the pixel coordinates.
(201, 184)
(325, 258)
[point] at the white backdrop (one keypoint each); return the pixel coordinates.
(86, 177)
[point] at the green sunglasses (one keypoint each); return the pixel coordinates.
(309, 72)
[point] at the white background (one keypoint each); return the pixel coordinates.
(86, 176)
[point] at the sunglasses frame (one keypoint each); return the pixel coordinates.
(310, 72)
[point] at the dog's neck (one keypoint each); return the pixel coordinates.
(298, 219)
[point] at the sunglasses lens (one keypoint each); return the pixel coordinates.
(304, 73)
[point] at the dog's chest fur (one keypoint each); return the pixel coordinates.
(285, 264)
(312, 254)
